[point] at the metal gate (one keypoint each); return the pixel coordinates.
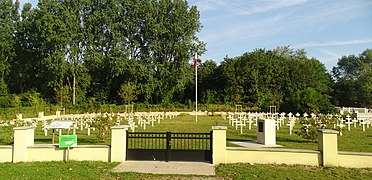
(169, 146)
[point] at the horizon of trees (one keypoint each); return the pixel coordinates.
(67, 52)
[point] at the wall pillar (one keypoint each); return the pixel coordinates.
(23, 138)
(327, 144)
(118, 143)
(219, 144)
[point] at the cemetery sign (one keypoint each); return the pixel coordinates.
(61, 124)
(67, 141)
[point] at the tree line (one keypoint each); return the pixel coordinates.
(73, 52)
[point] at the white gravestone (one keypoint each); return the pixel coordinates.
(266, 133)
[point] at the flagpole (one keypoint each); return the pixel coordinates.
(196, 86)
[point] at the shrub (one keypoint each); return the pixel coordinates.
(313, 124)
(103, 123)
(32, 98)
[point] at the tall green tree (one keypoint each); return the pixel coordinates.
(353, 80)
(282, 77)
(8, 21)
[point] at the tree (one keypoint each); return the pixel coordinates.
(282, 77)
(128, 92)
(353, 80)
(208, 82)
(8, 23)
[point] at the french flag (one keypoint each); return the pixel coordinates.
(196, 60)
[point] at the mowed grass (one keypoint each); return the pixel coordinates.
(276, 171)
(101, 170)
(57, 170)
(355, 140)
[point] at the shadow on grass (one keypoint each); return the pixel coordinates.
(238, 140)
(250, 138)
(294, 140)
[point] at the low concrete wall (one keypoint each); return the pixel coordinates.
(24, 149)
(354, 159)
(6, 154)
(272, 156)
(327, 155)
(91, 153)
(45, 153)
(80, 153)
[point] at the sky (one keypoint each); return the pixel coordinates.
(326, 29)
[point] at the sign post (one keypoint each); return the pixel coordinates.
(67, 141)
(60, 124)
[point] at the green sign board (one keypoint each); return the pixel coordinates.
(66, 141)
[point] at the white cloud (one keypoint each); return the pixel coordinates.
(269, 5)
(243, 30)
(242, 25)
(208, 5)
(336, 43)
(245, 7)
(331, 54)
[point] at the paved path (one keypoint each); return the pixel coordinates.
(161, 167)
(250, 144)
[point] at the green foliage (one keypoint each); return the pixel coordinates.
(128, 92)
(353, 75)
(311, 125)
(62, 96)
(103, 124)
(6, 135)
(281, 77)
(4, 95)
(31, 99)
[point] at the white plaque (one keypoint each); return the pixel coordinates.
(61, 124)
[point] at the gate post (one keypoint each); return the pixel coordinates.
(118, 151)
(23, 138)
(327, 145)
(219, 144)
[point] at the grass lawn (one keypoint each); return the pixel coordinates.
(100, 170)
(356, 140)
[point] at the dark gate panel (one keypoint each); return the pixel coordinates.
(169, 146)
(191, 147)
(146, 146)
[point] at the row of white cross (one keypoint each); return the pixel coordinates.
(84, 121)
(241, 119)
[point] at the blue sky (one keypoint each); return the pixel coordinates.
(326, 29)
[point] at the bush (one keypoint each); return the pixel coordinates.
(32, 98)
(7, 134)
(313, 124)
(103, 124)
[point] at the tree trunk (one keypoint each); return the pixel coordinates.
(73, 91)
